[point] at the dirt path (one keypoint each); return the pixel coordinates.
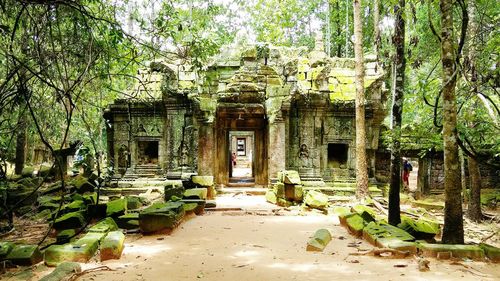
(231, 246)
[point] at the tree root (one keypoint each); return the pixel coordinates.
(383, 253)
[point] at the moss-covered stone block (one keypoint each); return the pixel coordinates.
(376, 231)
(320, 239)
(493, 253)
(70, 221)
(341, 211)
(355, 224)
(104, 226)
(112, 246)
(397, 244)
(161, 216)
(63, 271)
(195, 205)
(457, 251)
(367, 213)
(25, 255)
(65, 235)
(196, 193)
(75, 252)
(116, 207)
(271, 197)
(5, 248)
(133, 203)
(316, 199)
(203, 181)
(128, 221)
(421, 228)
(74, 206)
(291, 177)
(279, 189)
(82, 184)
(90, 198)
(27, 171)
(173, 190)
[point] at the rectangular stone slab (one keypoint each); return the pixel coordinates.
(25, 255)
(457, 251)
(81, 252)
(112, 246)
(320, 239)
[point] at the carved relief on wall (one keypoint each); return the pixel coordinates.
(304, 155)
(343, 126)
(123, 153)
(147, 127)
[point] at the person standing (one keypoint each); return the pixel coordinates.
(407, 168)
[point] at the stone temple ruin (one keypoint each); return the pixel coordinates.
(247, 116)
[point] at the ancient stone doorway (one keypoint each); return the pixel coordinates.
(242, 130)
(241, 148)
(337, 155)
(147, 152)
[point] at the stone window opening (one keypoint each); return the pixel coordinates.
(338, 155)
(148, 152)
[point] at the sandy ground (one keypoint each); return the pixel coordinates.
(238, 246)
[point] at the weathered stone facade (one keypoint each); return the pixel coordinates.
(298, 105)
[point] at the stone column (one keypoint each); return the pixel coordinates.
(276, 148)
(206, 149)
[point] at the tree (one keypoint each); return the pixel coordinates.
(453, 231)
(361, 166)
(397, 111)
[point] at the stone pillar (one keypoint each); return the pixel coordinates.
(206, 149)
(276, 149)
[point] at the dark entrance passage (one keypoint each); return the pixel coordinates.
(337, 155)
(147, 152)
(241, 139)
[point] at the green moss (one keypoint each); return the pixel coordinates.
(367, 213)
(25, 255)
(196, 193)
(457, 251)
(65, 235)
(271, 197)
(116, 207)
(5, 248)
(493, 253)
(70, 220)
(421, 228)
(63, 271)
(320, 239)
(128, 221)
(355, 224)
(104, 226)
(112, 246)
(317, 200)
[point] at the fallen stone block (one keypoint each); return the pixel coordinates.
(397, 244)
(133, 202)
(203, 181)
(457, 251)
(271, 197)
(65, 235)
(316, 199)
(319, 241)
(421, 228)
(367, 213)
(116, 207)
(25, 255)
(291, 177)
(161, 216)
(279, 189)
(97, 211)
(82, 252)
(339, 211)
(374, 231)
(173, 190)
(195, 205)
(5, 248)
(77, 205)
(63, 271)
(82, 184)
(104, 226)
(112, 246)
(196, 193)
(70, 221)
(355, 224)
(128, 221)
(493, 253)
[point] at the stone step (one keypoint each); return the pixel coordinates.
(247, 190)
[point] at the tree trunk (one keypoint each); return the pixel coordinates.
(361, 167)
(474, 208)
(397, 112)
(376, 29)
(453, 231)
(474, 204)
(20, 145)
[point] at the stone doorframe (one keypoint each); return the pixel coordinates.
(250, 117)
